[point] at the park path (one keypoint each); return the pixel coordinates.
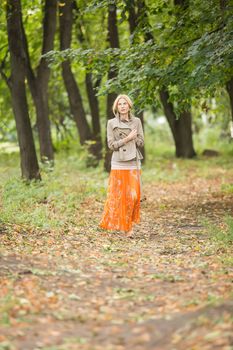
(170, 287)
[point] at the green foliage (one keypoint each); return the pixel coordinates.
(190, 53)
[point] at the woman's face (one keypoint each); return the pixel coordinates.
(123, 106)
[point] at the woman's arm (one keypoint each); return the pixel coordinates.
(140, 135)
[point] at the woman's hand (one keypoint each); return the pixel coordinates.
(132, 135)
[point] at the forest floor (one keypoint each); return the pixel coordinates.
(169, 287)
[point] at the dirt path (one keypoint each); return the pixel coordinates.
(170, 287)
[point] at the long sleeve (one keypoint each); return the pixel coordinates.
(140, 135)
(112, 143)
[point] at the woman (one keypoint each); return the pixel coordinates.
(124, 135)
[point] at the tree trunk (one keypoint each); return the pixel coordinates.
(181, 128)
(229, 87)
(133, 23)
(43, 73)
(229, 84)
(29, 163)
(95, 117)
(74, 95)
(184, 144)
(223, 4)
(133, 19)
(92, 98)
(142, 15)
(113, 40)
(43, 124)
(183, 3)
(38, 82)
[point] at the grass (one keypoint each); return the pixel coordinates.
(48, 204)
(54, 202)
(222, 235)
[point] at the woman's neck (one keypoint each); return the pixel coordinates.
(124, 116)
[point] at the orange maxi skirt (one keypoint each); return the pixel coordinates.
(122, 206)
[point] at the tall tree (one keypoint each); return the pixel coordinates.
(38, 80)
(73, 91)
(133, 20)
(113, 42)
(181, 127)
(90, 88)
(229, 85)
(29, 163)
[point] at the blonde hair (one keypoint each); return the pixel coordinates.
(128, 100)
